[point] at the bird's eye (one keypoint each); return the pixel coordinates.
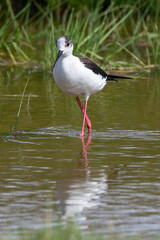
(68, 44)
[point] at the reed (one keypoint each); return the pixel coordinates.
(14, 129)
(100, 33)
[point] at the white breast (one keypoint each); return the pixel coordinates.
(75, 79)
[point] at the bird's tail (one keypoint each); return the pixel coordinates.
(113, 77)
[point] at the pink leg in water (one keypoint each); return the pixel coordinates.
(86, 117)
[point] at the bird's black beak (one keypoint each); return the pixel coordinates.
(59, 54)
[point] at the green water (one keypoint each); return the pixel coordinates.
(109, 182)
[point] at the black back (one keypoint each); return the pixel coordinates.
(97, 70)
(93, 66)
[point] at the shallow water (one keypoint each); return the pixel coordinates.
(108, 182)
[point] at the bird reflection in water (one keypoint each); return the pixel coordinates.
(81, 191)
(85, 147)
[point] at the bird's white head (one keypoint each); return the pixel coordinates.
(64, 45)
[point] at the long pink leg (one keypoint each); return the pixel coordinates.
(82, 109)
(84, 117)
(87, 119)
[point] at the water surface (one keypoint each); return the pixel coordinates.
(108, 182)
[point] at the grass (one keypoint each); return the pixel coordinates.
(14, 129)
(103, 34)
(70, 231)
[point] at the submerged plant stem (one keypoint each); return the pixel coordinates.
(20, 105)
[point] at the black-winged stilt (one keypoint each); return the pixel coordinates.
(78, 76)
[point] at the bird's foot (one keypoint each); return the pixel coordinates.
(81, 134)
(89, 133)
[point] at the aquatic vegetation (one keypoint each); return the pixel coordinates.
(103, 33)
(14, 131)
(71, 231)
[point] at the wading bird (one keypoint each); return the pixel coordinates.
(78, 76)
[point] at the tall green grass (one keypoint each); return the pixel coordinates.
(103, 33)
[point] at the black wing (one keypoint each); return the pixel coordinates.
(93, 66)
(97, 70)
(111, 77)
